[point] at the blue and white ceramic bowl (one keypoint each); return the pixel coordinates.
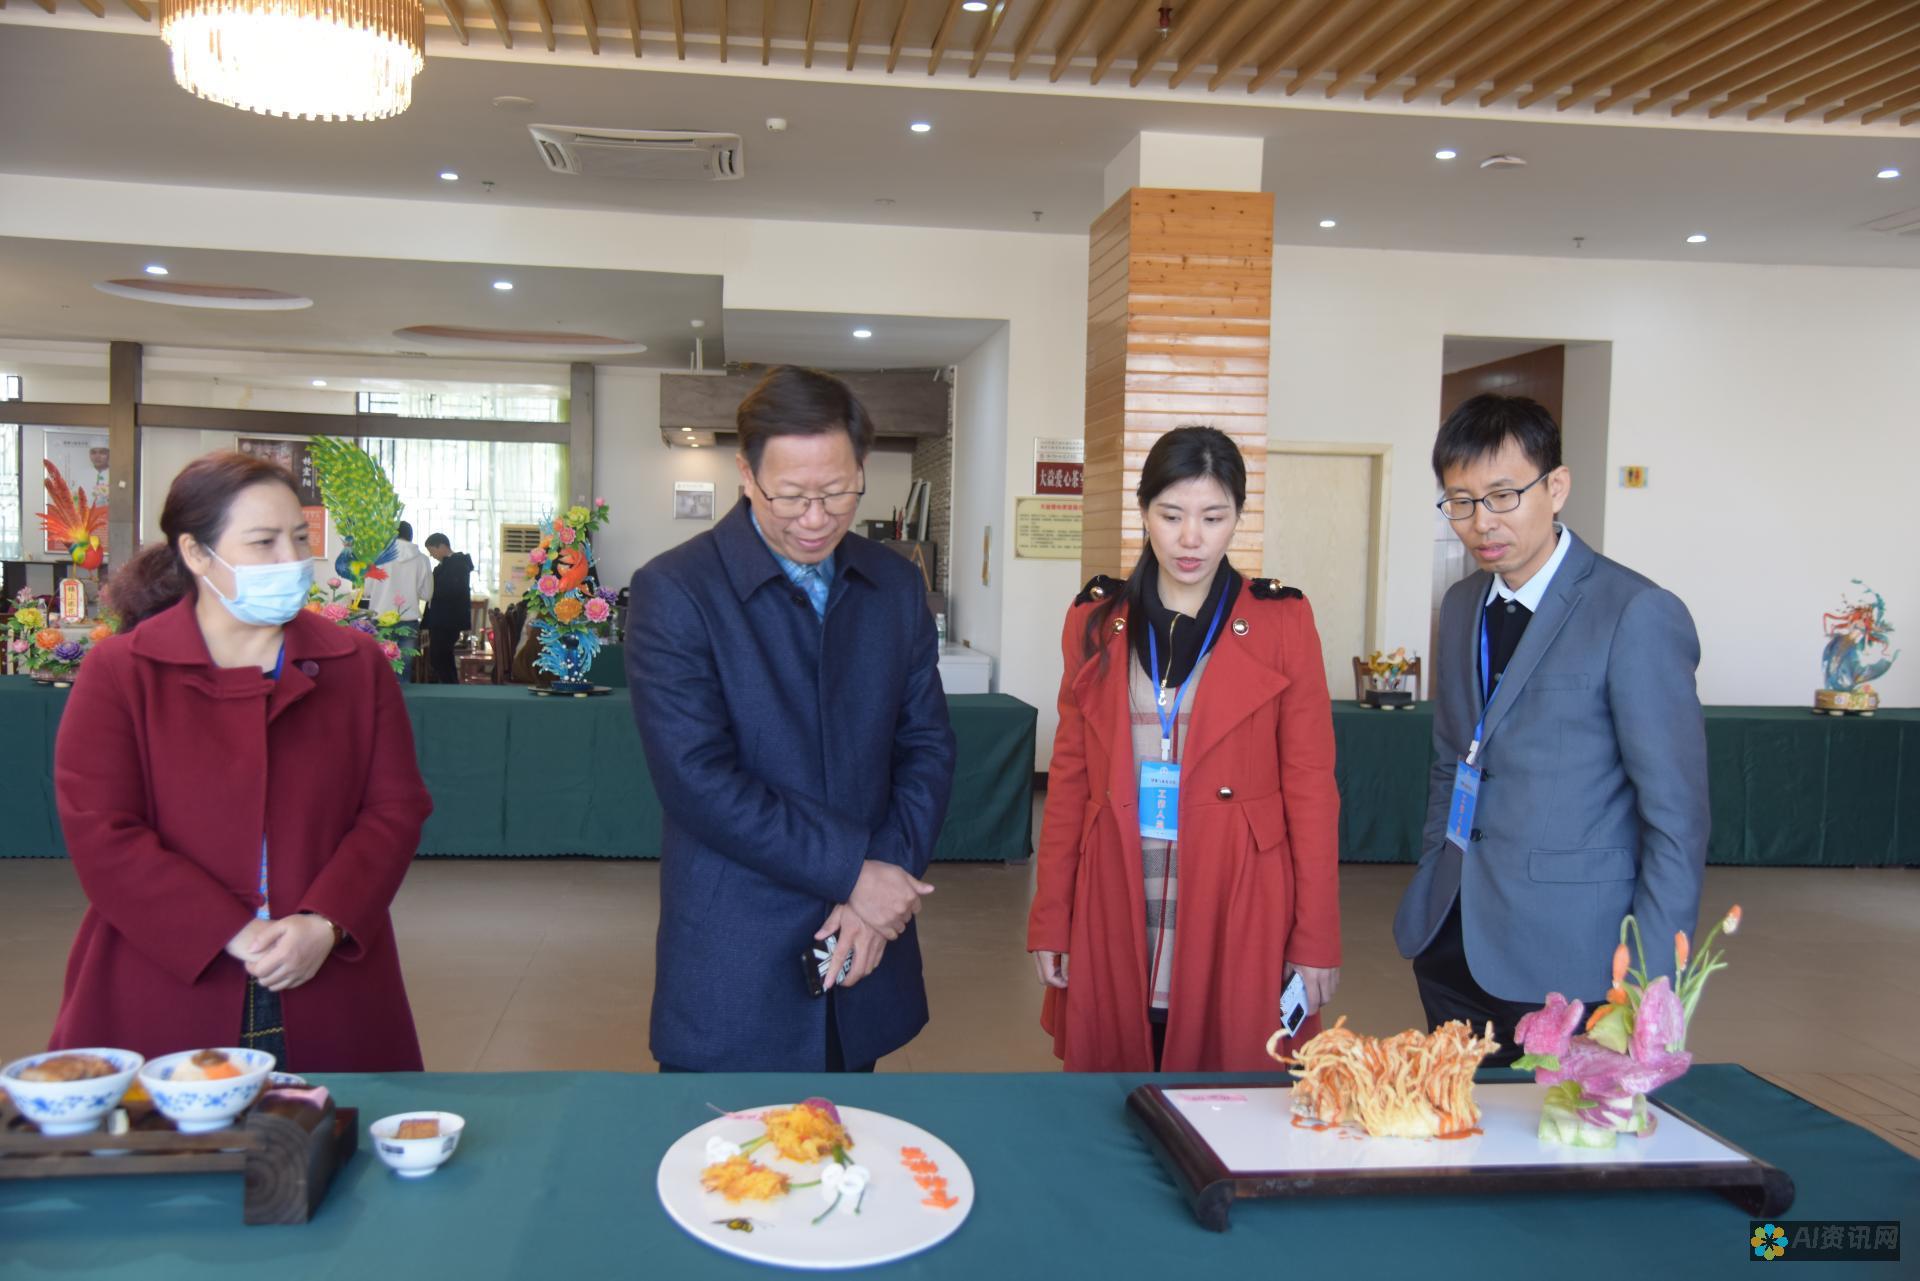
(416, 1158)
(195, 1107)
(69, 1107)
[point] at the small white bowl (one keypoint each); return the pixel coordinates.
(196, 1107)
(69, 1107)
(416, 1158)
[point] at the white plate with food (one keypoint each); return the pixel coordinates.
(812, 1186)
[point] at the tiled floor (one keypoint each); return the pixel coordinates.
(548, 964)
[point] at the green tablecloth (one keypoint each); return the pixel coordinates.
(477, 742)
(555, 1177)
(1787, 787)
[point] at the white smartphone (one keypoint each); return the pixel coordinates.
(1293, 1003)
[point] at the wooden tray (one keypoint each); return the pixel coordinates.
(287, 1147)
(1211, 1185)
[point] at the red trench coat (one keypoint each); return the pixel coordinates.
(167, 771)
(1259, 849)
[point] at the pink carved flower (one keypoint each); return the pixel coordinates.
(22, 646)
(1548, 1030)
(567, 535)
(538, 556)
(549, 584)
(333, 582)
(334, 613)
(597, 610)
(391, 650)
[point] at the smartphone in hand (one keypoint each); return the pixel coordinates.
(814, 964)
(1293, 1003)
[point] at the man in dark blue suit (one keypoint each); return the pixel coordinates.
(784, 678)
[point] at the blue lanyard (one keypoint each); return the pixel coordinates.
(1486, 674)
(264, 912)
(1169, 718)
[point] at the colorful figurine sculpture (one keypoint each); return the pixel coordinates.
(1857, 654)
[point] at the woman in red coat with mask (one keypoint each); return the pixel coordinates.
(237, 786)
(1166, 923)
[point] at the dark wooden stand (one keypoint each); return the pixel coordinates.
(1762, 1190)
(288, 1149)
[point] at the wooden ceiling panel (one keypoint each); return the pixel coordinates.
(1833, 64)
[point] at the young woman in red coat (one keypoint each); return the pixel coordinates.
(1165, 923)
(237, 785)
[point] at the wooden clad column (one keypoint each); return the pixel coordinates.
(1179, 306)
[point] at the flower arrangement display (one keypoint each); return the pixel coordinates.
(335, 600)
(34, 644)
(365, 509)
(565, 603)
(1632, 1045)
(72, 519)
(1386, 671)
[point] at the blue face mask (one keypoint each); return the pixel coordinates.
(266, 595)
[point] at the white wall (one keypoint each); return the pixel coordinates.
(1740, 387)
(1774, 407)
(980, 468)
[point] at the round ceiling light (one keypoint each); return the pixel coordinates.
(1328, 222)
(216, 297)
(311, 59)
(1697, 238)
(863, 333)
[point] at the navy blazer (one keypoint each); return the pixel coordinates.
(786, 751)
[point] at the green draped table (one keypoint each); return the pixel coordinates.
(479, 746)
(555, 1177)
(1787, 787)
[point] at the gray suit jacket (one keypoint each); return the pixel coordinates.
(1594, 800)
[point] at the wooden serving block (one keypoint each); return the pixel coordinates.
(286, 1146)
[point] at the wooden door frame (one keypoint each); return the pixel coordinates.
(1382, 456)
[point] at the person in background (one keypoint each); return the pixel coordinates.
(237, 784)
(1569, 783)
(786, 686)
(1192, 786)
(450, 611)
(408, 581)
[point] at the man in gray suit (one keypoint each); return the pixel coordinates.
(1570, 785)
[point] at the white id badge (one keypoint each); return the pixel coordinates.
(1160, 800)
(1466, 798)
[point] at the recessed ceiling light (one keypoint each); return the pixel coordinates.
(504, 286)
(921, 126)
(693, 444)
(1888, 173)
(1328, 222)
(155, 269)
(699, 324)
(448, 175)
(319, 382)
(1445, 153)
(1697, 238)
(863, 333)
(975, 6)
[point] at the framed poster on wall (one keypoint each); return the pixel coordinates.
(79, 455)
(292, 455)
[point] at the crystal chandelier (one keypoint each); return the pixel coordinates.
(314, 59)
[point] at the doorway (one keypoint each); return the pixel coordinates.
(1325, 531)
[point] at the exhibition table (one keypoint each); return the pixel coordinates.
(555, 1177)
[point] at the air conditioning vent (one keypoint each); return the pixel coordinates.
(648, 155)
(1904, 223)
(516, 544)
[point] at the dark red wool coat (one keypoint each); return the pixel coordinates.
(167, 772)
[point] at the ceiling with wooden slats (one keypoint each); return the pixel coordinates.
(1810, 63)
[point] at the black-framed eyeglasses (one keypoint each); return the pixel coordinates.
(1499, 502)
(842, 502)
